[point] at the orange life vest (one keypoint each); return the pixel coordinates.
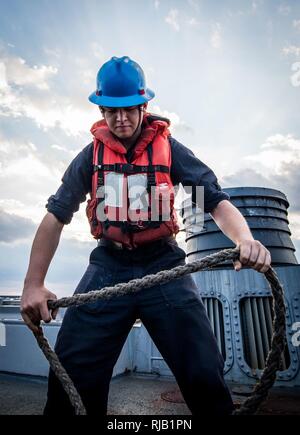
(132, 203)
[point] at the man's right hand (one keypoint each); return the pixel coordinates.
(34, 306)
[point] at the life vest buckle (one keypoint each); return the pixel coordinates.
(140, 224)
(124, 168)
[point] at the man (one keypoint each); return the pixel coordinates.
(133, 150)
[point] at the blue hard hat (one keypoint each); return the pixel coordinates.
(121, 83)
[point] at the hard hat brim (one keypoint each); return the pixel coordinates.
(132, 100)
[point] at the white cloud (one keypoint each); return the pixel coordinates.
(27, 177)
(284, 9)
(250, 9)
(29, 168)
(281, 142)
(98, 51)
(156, 4)
(50, 112)
(70, 153)
(254, 6)
(295, 78)
(276, 151)
(3, 80)
(216, 38)
(194, 4)
(294, 220)
(296, 24)
(25, 92)
(236, 13)
(53, 52)
(172, 19)
(276, 165)
(192, 22)
(291, 50)
(176, 123)
(17, 72)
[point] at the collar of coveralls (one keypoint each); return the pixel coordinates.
(152, 125)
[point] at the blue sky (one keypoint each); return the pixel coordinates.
(226, 73)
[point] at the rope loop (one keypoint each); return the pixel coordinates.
(268, 377)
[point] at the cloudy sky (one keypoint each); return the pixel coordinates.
(226, 73)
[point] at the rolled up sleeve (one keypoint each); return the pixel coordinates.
(76, 183)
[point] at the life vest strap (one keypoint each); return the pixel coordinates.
(132, 227)
(100, 160)
(151, 174)
(128, 168)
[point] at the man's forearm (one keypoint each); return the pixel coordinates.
(231, 222)
(43, 249)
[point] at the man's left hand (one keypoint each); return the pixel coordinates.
(253, 254)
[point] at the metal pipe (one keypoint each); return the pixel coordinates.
(257, 332)
(217, 324)
(250, 334)
(269, 316)
(264, 332)
(211, 313)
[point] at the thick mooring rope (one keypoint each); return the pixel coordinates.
(260, 391)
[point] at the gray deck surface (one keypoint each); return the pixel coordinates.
(131, 394)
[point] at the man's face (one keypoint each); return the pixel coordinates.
(122, 121)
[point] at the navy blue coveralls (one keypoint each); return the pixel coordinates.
(92, 335)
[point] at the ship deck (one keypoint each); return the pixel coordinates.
(133, 394)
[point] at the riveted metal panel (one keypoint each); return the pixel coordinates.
(266, 213)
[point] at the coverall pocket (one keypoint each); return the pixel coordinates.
(177, 250)
(181, 293)
(95, 278)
